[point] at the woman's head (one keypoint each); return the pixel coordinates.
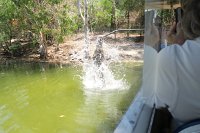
(191, 18)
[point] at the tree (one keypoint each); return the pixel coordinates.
(48, 21)
(85, 20)
(113, 16)
(131, 6)
(8, 24)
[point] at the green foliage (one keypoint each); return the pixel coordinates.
(56, 18)
(131, 5)
(7, 14)
(53, 18)
(167, 16)
(100, 14)
(55, 1)
(15, 49)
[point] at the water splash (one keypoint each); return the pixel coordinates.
(101, 78)
(97, 74)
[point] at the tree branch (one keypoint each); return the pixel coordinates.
(79, 10)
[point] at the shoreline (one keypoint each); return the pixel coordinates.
(69, 52)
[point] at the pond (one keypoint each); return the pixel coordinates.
(50, 98)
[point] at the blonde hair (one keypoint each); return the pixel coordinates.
(191, 18)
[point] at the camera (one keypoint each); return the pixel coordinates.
(178, 14)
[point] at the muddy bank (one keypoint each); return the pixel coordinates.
(128, 50)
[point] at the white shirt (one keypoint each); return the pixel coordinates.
(177, 79)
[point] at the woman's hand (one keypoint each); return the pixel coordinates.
(175, 35)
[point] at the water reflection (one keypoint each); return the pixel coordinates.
(100, 111)
(54, 101)
(7, 124)
(21, 98)
(14, 98)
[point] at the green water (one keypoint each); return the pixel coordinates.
(45, 98)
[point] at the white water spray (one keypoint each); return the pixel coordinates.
(97, 74)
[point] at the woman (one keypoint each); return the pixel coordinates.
(178, 66)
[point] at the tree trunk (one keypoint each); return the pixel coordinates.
(86, 56)
(85, 20)
(43, 47)
(80, 11)
(113, 18)
(128, 22)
